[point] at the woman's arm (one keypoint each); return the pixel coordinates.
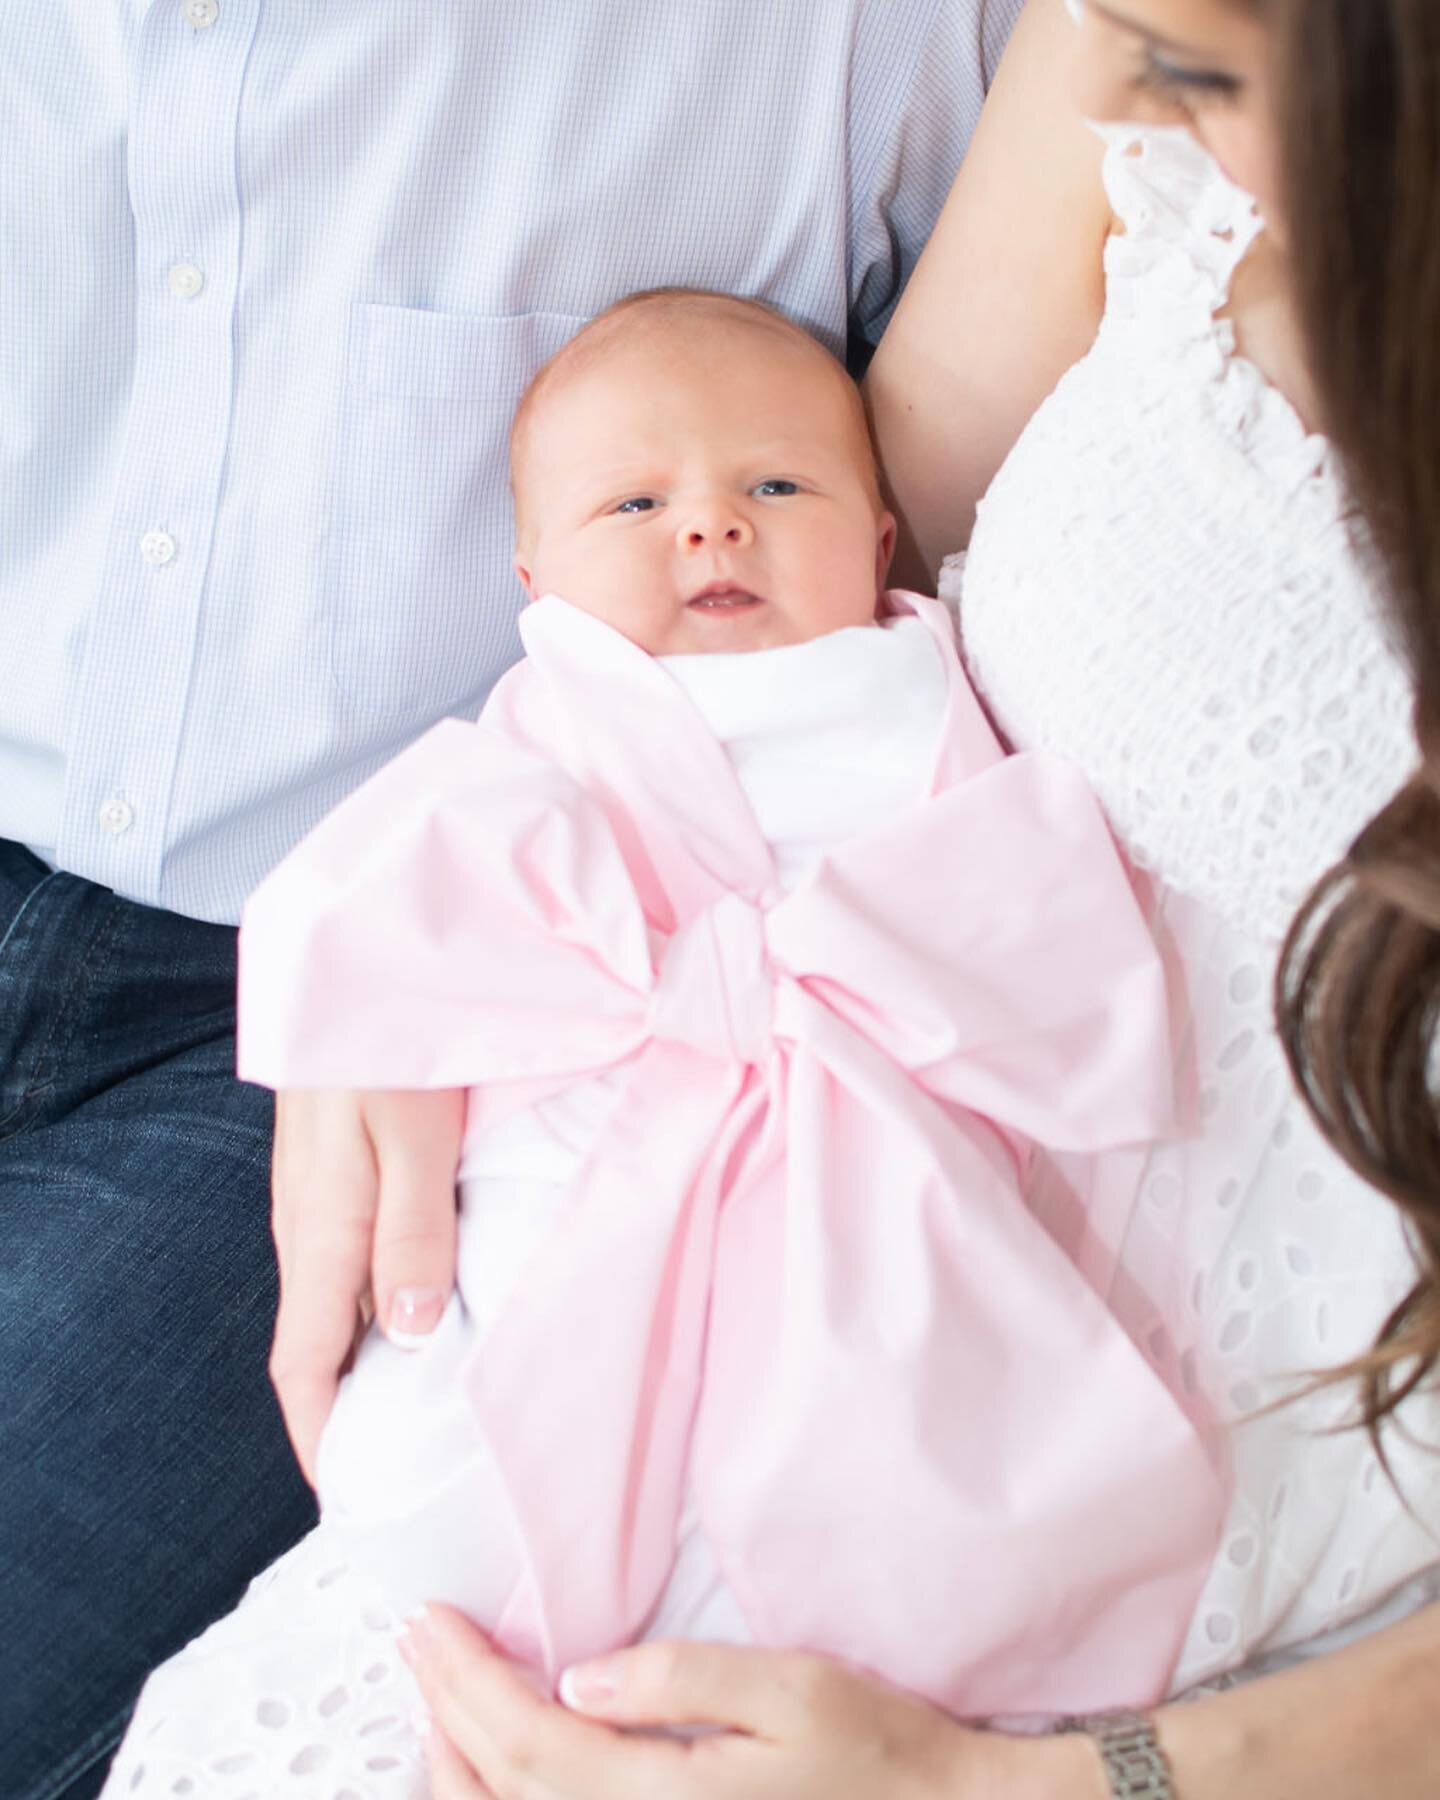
(1006, 296)
(1362, 1721)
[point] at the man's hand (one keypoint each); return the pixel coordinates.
(364, 1219)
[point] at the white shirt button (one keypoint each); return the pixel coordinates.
(115, 816)
(186, 280)
(157, 547)
(201, 13)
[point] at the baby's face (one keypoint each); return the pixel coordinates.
(703, 497)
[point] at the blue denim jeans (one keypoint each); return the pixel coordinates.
(144, 1472)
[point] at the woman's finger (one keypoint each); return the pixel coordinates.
(451, 1777)
(754, 1692)
(416, 1141)
(324, 1193)
(517, 1741)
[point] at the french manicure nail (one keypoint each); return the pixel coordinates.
(414, 1314)
(415, 1641)
(588, 1684)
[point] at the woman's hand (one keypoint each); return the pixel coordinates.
(783, 1727)
(363, 1216)
(1360, 1720)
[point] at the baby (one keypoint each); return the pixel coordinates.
(763, 967)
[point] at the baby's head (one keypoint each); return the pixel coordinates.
(697, 472)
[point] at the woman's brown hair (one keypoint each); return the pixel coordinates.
(1358, 986)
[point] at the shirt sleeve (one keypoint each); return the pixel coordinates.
(917, 98)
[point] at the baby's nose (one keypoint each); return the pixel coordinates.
(710, 527)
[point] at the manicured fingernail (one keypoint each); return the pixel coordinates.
(589, 1684)
(416, 1640)
(414, 1314)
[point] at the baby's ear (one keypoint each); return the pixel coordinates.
(522, 569)
(884, 547)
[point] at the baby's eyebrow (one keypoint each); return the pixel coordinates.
(602, 497)
(622, 474)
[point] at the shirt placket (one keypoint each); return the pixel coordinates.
(144, 622)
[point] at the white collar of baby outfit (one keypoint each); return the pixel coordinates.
(862, 678)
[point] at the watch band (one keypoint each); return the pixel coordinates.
(1135, 1765)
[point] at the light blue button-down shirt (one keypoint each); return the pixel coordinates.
(274, 274)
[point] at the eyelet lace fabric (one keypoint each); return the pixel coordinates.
(1166, 584)
(1166, 578)
(299, 1694)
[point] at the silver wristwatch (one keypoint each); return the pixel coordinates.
(1135, 1765)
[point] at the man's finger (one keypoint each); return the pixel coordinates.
(415, 1138)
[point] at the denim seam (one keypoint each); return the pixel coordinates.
(24, 907)
(15, 1118)
(14, 1121)
(53, 1785)
(100, 942)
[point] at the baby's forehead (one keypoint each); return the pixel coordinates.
(653, 353)
(648, 348)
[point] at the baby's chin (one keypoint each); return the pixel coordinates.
(734, 626)
(722, 624)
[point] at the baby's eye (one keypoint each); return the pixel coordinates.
(773, 489)
(638, 503)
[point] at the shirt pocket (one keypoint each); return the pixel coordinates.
(421, 596)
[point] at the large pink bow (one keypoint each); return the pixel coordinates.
(796, 1270)
(922, 1443)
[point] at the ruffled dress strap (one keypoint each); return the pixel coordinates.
(1184, 225)
(1184, 229)
(1198, 622)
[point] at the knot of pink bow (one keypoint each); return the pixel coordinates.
(714, 987)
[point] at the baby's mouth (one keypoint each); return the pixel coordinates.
(720, 597)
